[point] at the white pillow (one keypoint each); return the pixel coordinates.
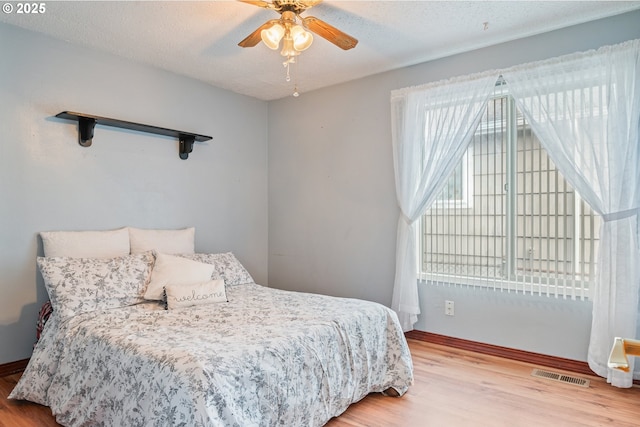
(198, 294)
(164, 241)
(173, 270)
(86, 244)
(226, 266)
(82, 285)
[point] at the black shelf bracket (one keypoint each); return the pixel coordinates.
(186, 145)
(87, 124)
(85, 131)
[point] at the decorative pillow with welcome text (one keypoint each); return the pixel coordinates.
(201, 293)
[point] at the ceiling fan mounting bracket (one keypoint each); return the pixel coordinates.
(294, 6)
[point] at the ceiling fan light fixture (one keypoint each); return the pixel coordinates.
(295, 30)
(271, 36)
(302, 39)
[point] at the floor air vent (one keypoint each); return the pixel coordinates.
(568, 379)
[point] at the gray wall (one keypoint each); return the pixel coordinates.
(333, 210)
(49, 182)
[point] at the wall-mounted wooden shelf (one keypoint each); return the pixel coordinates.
(87, 123)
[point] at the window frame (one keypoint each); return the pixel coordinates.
(524, 282)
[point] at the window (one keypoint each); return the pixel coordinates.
(507, 219)
(458, 192)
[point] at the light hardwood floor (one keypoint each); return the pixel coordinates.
(452, 388)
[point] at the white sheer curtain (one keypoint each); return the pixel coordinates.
(585, 109)
(432, 126)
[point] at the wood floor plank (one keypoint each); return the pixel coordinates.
(16, 413)
(460, 388)
(452, 387)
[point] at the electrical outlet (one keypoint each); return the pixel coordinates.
(448, 308)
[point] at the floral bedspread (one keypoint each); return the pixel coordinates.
(265, 358)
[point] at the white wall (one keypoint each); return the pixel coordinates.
(49, 182)
(332, 203)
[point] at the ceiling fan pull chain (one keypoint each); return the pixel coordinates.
(287, 64)
(295, 81)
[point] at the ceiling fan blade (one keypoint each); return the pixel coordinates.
(330, 33)
(259, 3)
(254, 38)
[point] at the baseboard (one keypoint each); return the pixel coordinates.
(508, 353)
(13, 367)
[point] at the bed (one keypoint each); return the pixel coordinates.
(251, 356)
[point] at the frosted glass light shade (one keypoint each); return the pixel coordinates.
(288, 49)
(301, 39)
(271, 36)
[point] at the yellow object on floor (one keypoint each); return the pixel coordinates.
(623, 347)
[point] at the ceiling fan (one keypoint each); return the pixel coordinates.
(294, 29)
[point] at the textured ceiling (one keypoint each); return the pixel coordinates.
(199, 39)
